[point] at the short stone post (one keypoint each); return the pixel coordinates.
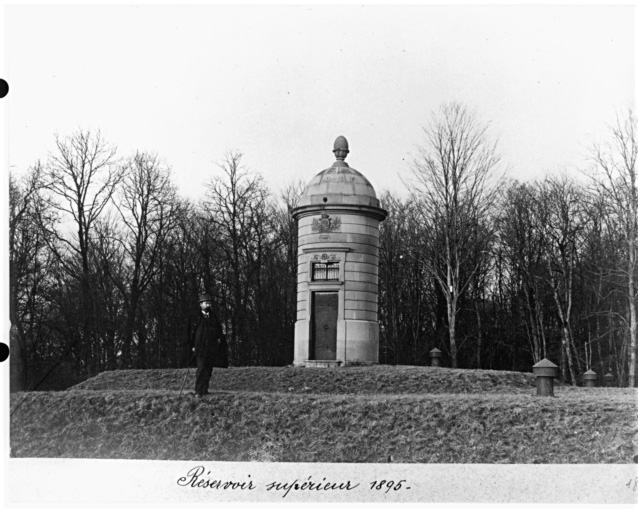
(590, 378)
(609, 380)
(435, 354)
(545, 371)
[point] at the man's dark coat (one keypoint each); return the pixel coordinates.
(206, 335)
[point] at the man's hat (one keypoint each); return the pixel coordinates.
(204, 297)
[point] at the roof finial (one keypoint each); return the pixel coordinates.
(341, 148)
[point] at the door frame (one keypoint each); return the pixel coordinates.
(312, 340)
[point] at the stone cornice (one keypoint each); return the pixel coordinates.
(326, 248)
(313, 209)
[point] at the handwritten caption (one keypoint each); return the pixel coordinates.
(200, 477)
(632, 485)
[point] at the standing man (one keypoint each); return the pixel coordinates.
(206, 338)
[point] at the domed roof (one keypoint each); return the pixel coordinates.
(339, 184)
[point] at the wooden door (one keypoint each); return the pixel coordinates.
(324, 325)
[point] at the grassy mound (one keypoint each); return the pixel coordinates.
(355, 380)
(577, 426)
(356, 414)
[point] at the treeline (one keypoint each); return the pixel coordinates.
(549, 284)
(107, 260)
(501, 274)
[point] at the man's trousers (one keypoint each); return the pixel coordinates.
(203, 375)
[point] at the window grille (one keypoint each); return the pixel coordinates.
(325, 271)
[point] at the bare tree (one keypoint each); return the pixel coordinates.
(287, 239)
(563, 201)
(172, 293)
(455, 178)
(286, 224)
(237, 204)
(108, 272)
(81, 177)
(524, 245)
(615, 177)
(146, 202)
(407, 302)
(29, 263)
(79, 181)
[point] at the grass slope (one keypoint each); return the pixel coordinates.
(348, 380)
(265, 420)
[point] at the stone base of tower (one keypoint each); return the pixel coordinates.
(362, 342)
(357, 343)
(302, 342)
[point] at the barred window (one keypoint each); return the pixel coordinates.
(325, 271)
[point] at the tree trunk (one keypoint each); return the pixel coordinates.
(451, 316)
(16, 361)
(533, 323)
(570, 332)
(632, 313)
(568, 353)
(563, 369)
(129, 327)
(480, 339)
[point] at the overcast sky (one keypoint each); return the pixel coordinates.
(281, 83)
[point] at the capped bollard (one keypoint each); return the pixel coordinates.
(609, 380)
(590, 378)
(545, 372)
(435, 354)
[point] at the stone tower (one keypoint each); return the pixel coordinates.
(337, 267)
